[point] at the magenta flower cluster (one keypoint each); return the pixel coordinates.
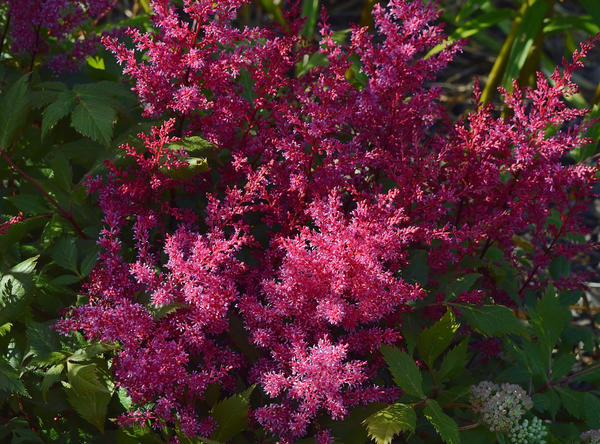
(283, 265)
(37, 26)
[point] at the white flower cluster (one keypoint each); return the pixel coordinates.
(502, 406)
(529, 432)
(590, 437)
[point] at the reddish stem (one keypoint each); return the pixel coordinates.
(65, 214)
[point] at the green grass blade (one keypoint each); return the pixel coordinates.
(529, 29)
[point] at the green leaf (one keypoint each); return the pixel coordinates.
(9, 379)
(231, 415)
(90, 351)
(548, 319)
(42, 339)
(529, 28)
(165, 310)
(434, 340)
(383, 425)
(442, 423)
(63, 172)
(51, 377)
(417, 270)
(60, 108)
(22, 432)
(593, 8)
(193, 145)
(195, 165)
(13, 111)
(568, 23)
(310, 11)
(591, 405)
(492, 320)
(572, 401)
(248, 84)
(535, 358)
(84, 378)
(87, 393)
(547, 401)
(404, 370)
(562, 366)
(454, 362)
(474, 26)
(273, 7)
(93, 118)
(64, 254)
(310, 62)
(88, 262)
(460, 285)
(5, 329)
(351, 430)
(30, 204)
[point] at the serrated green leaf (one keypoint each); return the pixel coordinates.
(404, 370)
(90, 351)
(5, 329)
(492, 320)
(124, 398)
(30, 204)
(591, 405)
(383, 425)
(442, 423)
(42, 339)
(60, 108)
(87, 393)
(93, 118)
(460, 285)
(63, 172)
(64, 254)
(434, 340)
(84, 378)
(88, 262)
(9, 379)
(562, 366)
(572, 401)
(195, 165)
(51, 377)
(13, 111)
(548, 320)
(454, 362)
(25, 267)
(541, 403)
(231, 415)
(165, 310)
(193, 145)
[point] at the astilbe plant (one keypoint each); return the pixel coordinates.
(38, 27)
(333, 181)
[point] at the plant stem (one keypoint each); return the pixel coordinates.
(470, 426)
(65, 214)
